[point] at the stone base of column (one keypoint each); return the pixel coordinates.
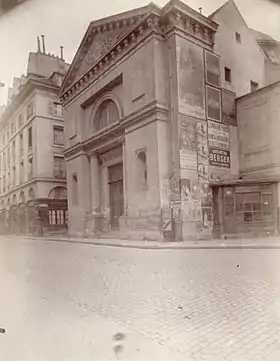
(92, 226)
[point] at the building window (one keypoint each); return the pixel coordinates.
(56, 109)
(21, 143)
(106, 115)
(238, 37)
(14, 150)
(30, 168)
(20, 121)
(4, 161)
(8, 158)
(227, 75)
(254, 86)
(59, 167)
(13, 127)
(14, 177)
(30, 111)
(58, 135)
(4, 184)
(30, 140)
(74, 189)
(21, 172)
(141, 170)
(58, 193)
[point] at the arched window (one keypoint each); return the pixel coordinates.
(31, 193)
(21, 197)
(58, 193)
(14, 199)
(106, 114)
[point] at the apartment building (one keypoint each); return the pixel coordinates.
(33, 193)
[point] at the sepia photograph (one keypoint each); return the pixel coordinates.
(140, 180)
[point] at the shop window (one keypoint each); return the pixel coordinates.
(141, 169)
(253, 206)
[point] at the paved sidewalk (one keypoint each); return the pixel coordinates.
(250, 243)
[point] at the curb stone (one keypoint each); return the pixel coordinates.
(162, 246)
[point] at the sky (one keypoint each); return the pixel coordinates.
(64, 22)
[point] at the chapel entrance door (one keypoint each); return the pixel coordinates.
(116, 194)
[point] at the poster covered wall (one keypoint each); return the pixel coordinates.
(188, 152)
(191, 79)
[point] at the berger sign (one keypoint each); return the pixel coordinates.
(219, 157)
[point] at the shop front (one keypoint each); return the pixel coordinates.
(245, 209)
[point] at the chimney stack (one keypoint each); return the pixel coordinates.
(61, 53)
(43, 42)
(200, 10)
(39, 45)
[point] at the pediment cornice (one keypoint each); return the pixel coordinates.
(176, 16)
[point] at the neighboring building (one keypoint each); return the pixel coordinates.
(271, 50)
(245, 203)
(237, 46)
(250, 204)
(33, 194)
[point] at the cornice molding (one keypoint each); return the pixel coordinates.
(118, 130)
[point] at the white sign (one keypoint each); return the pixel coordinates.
(218, 135)
(188, 159)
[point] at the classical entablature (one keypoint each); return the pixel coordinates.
(108, 40)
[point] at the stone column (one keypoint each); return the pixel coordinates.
(95, 185)
(124, 178)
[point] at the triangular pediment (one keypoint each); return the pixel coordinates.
(100, 37)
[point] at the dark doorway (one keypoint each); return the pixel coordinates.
(116, 196)
(229, 210)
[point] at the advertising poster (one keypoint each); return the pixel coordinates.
(213, 103)
(212, 63)
(218, 135)
(219, 157)
(228, 108)
(188, 159)
(187, 133)
(191, 79)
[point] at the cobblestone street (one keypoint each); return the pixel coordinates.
(62, 301)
